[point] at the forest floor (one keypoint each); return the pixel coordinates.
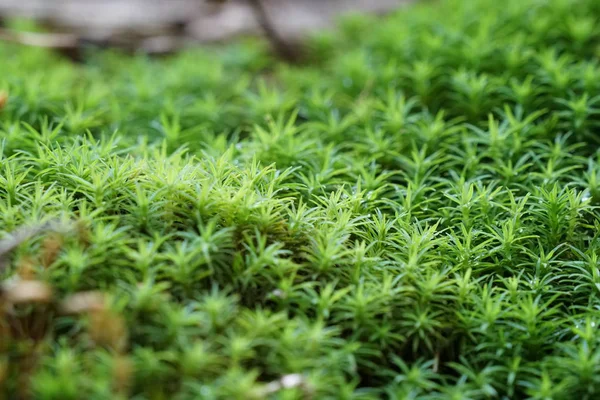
(411, 214)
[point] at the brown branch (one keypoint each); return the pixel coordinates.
(280, 45)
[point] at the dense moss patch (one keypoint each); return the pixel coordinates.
(414, 214)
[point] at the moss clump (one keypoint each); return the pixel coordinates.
(413, 215)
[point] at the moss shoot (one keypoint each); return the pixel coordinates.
(411, 215)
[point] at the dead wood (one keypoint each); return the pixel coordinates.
(158, 26)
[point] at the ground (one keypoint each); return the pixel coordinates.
(411, 214)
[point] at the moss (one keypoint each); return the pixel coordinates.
(413, 215)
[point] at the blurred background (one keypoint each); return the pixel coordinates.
(165, 25)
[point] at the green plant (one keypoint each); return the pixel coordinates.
(413, 215)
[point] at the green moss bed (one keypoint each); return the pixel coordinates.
(411, 214)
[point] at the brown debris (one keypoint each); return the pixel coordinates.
(26, 268)
(24, 233)
(51, 247)
(83, 302)
(105, 327)
(26, 291)
(32, 324)
(3, 99)
(108, 329)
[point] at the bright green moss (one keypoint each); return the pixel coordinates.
(412, 215)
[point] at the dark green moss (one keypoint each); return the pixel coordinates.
(414, 215)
